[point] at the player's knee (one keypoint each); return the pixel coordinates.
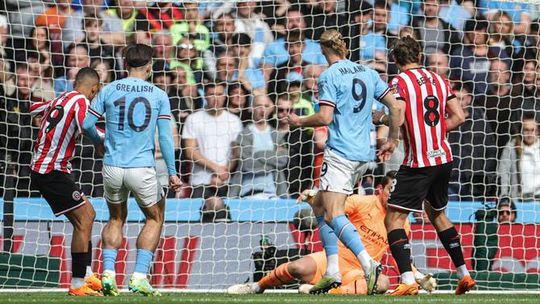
(296, 270)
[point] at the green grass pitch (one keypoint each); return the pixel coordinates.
(275, 298)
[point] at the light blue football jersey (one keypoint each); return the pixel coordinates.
(131, 107)
(351, 89)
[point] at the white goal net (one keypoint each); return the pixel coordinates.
(236, 217)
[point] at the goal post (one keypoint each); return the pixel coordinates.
(230, 227)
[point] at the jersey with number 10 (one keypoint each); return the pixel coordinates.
(351, 89)
(131, 107)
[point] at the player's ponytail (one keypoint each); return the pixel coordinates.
(333, 40)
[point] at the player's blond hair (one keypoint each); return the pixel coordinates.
(332, 39)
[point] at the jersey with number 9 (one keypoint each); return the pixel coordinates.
(131, 107)
(351, 89)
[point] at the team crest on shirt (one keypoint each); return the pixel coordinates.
(76, 195)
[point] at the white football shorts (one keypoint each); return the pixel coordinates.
(142, 182)
(339, 174)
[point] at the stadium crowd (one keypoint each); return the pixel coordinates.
(234, 71)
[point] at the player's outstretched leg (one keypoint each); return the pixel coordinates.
(277, 277)
(146, 245)
(82, 219)
(449, 237)
(401, 251)
(111, 238)
(346, 232)
(332, 276)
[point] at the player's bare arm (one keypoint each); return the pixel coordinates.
(322, 118)
(395, 120)
(455, 114)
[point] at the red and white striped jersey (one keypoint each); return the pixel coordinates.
(60, 127)
(424, 132)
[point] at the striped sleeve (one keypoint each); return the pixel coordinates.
(81, 107)
(39, 107)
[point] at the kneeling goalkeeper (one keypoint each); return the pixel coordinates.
(367, 213)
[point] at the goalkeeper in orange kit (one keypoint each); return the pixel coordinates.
(367, 214)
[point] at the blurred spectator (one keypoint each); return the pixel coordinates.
(400, 14)
(76, 59)
(525, 86)
(438, 62)
(224, 29)
(311, 82)
(456, 12)
(163, 46)
(42, 71)
(38, 43)
(4, 30)
(126, 12)
(250, 75)
(214, 210)
(251, 23)
(112, 29)
(503, 111)
(299, 171)
(104, 70)
(238, 101)
(374, 42)
(470, 62)
(226, 68)
(506, 211)
(158, 17)
(321, 15)
(519, 164)
(362, 22)
(293, 92)
(502, 35)
(193, 27)
(184, 98)
(518, 11)
(292, 69)
(262, 156)
(276, 52)
(162, 76)
(97, 48)
(435, 33)
(188, 59)
(208, 136)
(54, 17)
(17, 128)
(274, 13)
(475, 152)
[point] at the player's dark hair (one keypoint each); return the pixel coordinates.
(295, 36)
(382, 4)
(86, 74)
(386, 179)
(406, 50)
(212, 85)
(138, 55)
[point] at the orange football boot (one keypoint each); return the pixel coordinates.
(94, 282)
(84, 291)
(464, 285)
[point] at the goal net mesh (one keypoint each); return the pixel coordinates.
(236, 217)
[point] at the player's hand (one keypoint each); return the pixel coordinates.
(428, 283)
(377, 116)
(386, 150)
(100, 150)
(294, 120)
(307, 196)
(222, 172)
(175, 183)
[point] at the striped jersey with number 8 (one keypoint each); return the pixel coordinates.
(424, 132)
